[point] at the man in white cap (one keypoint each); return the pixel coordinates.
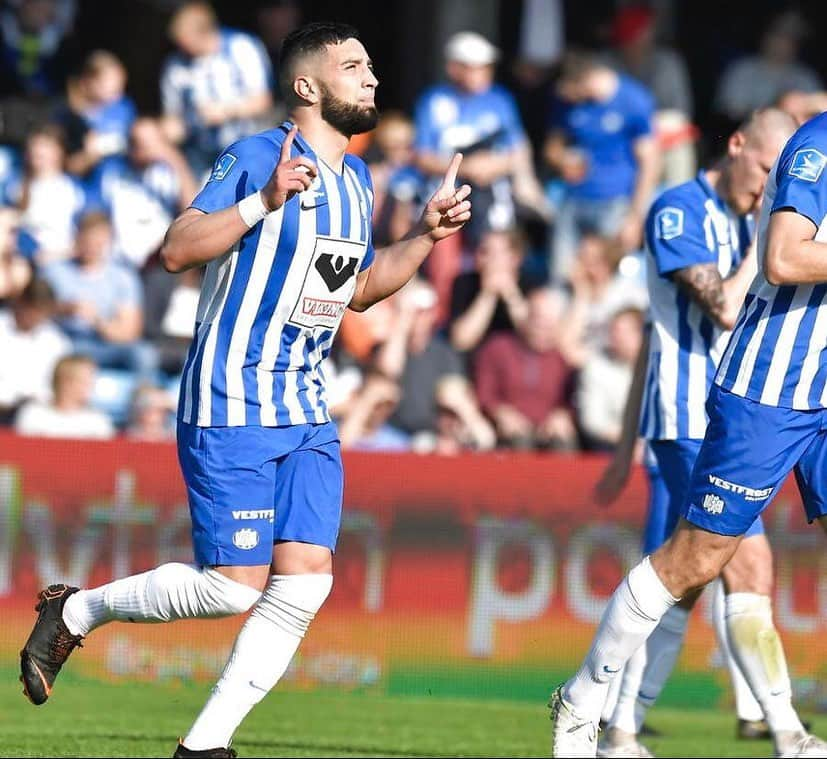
(471, 113)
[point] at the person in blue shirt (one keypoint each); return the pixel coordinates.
(283, 227)
(142, 192)
(97, 114)
(215, 88)
(472, 114)
(600, 143)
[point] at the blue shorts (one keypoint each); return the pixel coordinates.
(669, 481)
(748, 451)
(249, 487)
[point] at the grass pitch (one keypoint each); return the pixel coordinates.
(86, 718)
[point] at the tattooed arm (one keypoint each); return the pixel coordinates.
(720, 299)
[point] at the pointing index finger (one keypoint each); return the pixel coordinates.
(287, 144)
(453, 168)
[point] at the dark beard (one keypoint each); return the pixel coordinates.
(347, 118)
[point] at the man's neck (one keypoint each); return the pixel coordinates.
(719, 180)
(327, 143)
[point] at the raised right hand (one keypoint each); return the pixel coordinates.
(291, 176)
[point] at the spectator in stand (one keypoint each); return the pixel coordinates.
(69, 413)
(15, 270)
(97, 114)
(364, 427)
(33, 56)
(100, 302)
(600, 291)
(49, 199)
(663, 70)
(525, 380)
(216, 88)
(802, 106)
(601, 143)
(492, 298)
(397, 183)
(759, 80)
(142, 192)
(31, 345)
(151, 416)
(275, 19)
(604, 381)
(473, 115)
(429, 373)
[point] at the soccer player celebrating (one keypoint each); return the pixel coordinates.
(702, 262)
(283, 225)
(766, 412)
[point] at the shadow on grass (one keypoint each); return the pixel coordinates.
(277, 744)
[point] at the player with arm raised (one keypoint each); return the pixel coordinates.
(766, 417)
(283, 226)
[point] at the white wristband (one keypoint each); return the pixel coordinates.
(252, 209)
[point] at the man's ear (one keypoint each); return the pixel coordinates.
(306, 89)
(735, 144)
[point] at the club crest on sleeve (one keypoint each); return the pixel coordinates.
(669, 223)
(222, 167)
(808, 164)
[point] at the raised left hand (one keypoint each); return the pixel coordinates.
(448, 209)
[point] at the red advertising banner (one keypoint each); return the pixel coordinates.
(478, 575)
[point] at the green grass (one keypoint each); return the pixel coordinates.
(86, 718)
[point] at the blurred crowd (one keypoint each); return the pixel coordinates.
(520, 333)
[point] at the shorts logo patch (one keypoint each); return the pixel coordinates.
(669, 223)
(245, 539)
(808, 164)
(222, 167)
(713, 504)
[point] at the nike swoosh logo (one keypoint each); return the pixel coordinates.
(258, 687)
(309, 206)
(610, 671)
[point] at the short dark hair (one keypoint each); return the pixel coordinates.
(307, 40)
(37, 293)
(576, 63)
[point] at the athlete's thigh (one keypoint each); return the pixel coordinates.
(230, 481)
(309, 489)
(748, 451)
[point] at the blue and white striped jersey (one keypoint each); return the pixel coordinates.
(238, 70)
(270, 307)
(687, 225)
(777, 354)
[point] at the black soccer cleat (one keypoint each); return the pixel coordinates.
(49, 645)
(182, 752)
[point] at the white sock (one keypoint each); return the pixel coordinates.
(614, 693)
(171, 591)
(260, 656)
(623, 716)
(662, 650)
(634, 610)
(755, 644)
(746, 707)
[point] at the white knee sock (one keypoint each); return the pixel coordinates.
(613, 693)
(633, 612)
(171, 591)
(746, 707)
(757, 648)
(662, 650)
(623, 716)
(260, 656)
